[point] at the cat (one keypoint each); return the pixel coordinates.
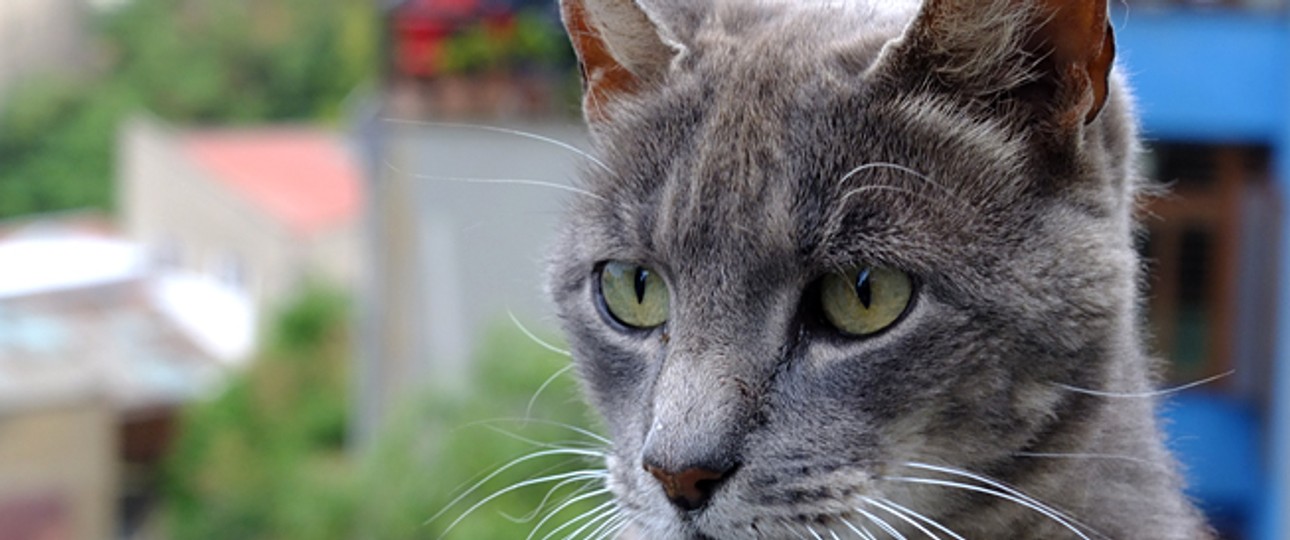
(863, 270)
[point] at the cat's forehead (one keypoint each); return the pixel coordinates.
(746, 41)
(769, 149)
(759, 182)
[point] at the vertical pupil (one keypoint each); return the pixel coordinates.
(863, 290)
(641, 275)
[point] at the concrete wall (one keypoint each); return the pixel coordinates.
(458, 235)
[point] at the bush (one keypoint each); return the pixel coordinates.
(56, 142)
(439, 446)
(266, 458)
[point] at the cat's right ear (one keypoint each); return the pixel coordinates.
(1053, 57)
(623, 47)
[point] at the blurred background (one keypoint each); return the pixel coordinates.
(272, 268)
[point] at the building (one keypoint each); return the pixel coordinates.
(1212, 81)
(264, 210)
(97, 353)
(41, 37)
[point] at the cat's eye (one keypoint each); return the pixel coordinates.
(634, 295)
(865, 300)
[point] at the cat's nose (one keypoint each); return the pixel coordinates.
(691, 488)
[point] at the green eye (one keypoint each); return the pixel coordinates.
(634, 295)
(865, 300)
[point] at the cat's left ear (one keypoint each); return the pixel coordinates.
(1055, 55)
(625, 46)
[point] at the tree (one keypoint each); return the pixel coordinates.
(188, 61)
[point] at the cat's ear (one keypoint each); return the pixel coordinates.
(1054, 54)
(624, 46)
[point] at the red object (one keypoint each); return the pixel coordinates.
(304, 179)
(421, 26)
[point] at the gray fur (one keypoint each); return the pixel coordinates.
(727, 179)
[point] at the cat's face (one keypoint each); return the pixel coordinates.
(813, 258)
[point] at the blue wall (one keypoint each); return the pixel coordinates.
(1225, 76)
(1208, 75)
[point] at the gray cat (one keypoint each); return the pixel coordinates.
(863, 270)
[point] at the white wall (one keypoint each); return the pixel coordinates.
(40, 36)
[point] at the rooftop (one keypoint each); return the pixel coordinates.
(83, 315)
(304, 178)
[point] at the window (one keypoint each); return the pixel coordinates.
(1211, 252)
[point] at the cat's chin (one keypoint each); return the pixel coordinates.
(719, 529)
(730, 522)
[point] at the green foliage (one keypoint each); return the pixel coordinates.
(441, 445)
(56, 140)
(244, 60)
(524, 41)
(265, 459)
(188, 61)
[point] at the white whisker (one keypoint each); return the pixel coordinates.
(901, 168)
(890, 510)
(614, 519)
(551, 492)
(814, 534)
(541, 444)
(526, 483)
(882, 524)
(507, 131)
(509, 181)
(588, 515)
(1051, 514)
(888, 165)
(570, 427)
(1151, 394)
(512, 463)
(621, 522)
(556, 511)
(528, 410)
(985, 480)
(862, 532)
(529, 334)
(925, 519)
(606, 515)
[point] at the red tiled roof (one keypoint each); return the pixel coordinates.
(303, 178)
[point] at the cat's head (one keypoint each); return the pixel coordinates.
(822, 242)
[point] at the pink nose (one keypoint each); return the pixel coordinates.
(691, 488)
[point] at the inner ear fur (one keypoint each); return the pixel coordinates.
(1056, 55)
(620, 50)
(1080, 47)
